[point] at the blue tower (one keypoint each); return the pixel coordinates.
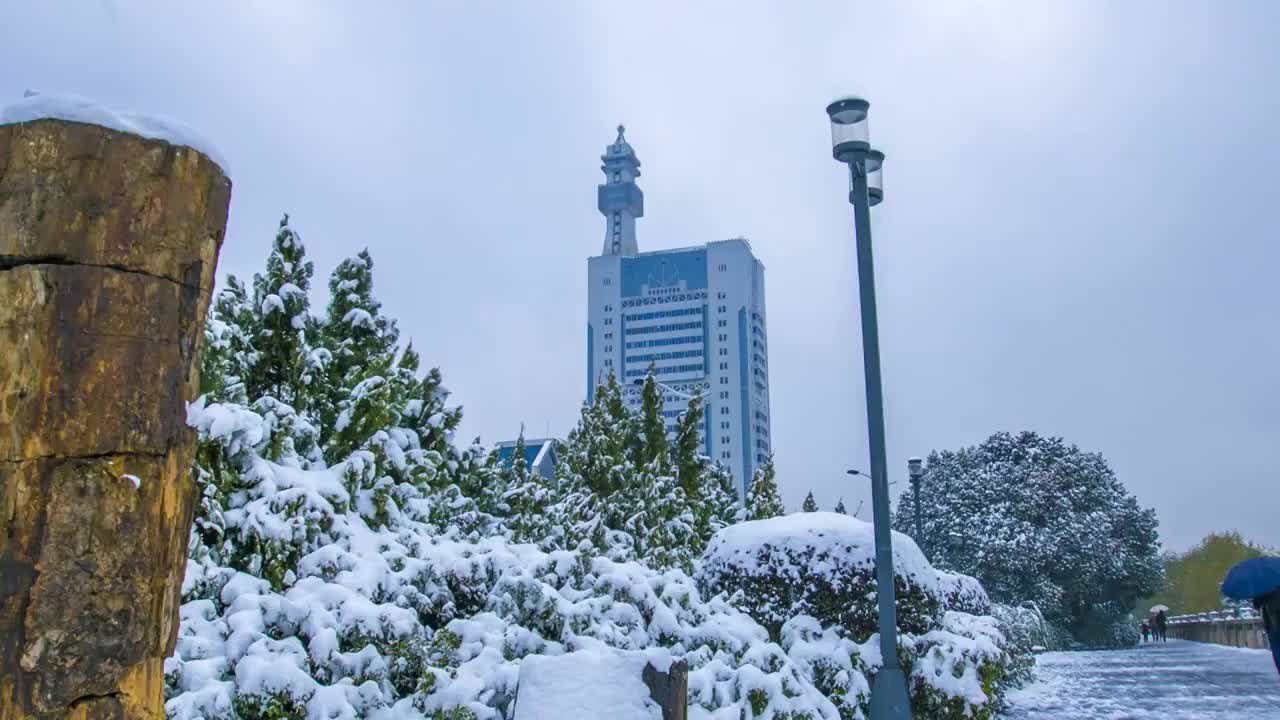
(619, 198)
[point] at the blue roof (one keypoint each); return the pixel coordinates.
(532, 448)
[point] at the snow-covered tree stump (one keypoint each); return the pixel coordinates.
(108, 247)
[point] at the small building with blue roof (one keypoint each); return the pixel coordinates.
(539, 455)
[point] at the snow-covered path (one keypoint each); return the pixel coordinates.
(1177, 680)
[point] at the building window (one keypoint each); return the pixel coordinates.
(723, 323)
(608, 281)
(608, 362)
(721, 295)
(724, 351)
(724, 394)
(724, 454)
(723, 337)
(722, 308)
(724, 366)
(724, 410)
(724, 425)
(723, 267)
(724, 381)
(608, 336)
(725, 440)
(608, 308)
(617, 176)
(608, 321)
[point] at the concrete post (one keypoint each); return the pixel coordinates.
(108, 247)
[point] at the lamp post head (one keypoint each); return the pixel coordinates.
(850, 136)
(915, 468)
(875, 177)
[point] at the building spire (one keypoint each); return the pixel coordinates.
(619, 199)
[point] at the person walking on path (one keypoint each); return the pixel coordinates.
(1269, 606)
(1162, 627)
(1146, 632)
(1258, 579)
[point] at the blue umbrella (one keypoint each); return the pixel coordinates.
(1252, 578)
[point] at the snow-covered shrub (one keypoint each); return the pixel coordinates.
(961, 670)
(1026, 632)
(1106, 626)
(963, 593)
(819, 564)
(400, 620)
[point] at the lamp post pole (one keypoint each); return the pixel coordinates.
(915, 470)
(851, 145)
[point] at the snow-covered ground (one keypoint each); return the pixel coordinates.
(1177, 680)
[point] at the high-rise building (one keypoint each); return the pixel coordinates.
(696, 315)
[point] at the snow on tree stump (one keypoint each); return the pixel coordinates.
(108, 247)
(603, 683)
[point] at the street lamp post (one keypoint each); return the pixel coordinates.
(851, 145)
(915, 470)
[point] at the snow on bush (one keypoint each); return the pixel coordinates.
(820, 564)
(963, 593)
(796, 574)
(399, 620)
(1026, 632)
(961, 669)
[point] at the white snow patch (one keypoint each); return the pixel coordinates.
(594, 683)
(842, 539)
(58, 106)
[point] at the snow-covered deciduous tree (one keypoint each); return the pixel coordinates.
(763, 500)
(1036, 519)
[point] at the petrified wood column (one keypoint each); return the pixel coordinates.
(108, 246)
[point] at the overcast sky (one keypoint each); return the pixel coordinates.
(1078, 236)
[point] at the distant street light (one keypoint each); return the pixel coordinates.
(851, 145)
(915, 470)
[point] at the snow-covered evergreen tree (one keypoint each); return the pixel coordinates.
(653, 426)
(228, 350)
(686, 457)
(717, 506)
(359, 342)
(282, 331)
(528, 499)
(840, 507)
(810, 505)
(663, 528)
(763, 500)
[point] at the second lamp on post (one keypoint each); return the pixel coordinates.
(851, 145)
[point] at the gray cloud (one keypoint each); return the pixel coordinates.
(1077, 236)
